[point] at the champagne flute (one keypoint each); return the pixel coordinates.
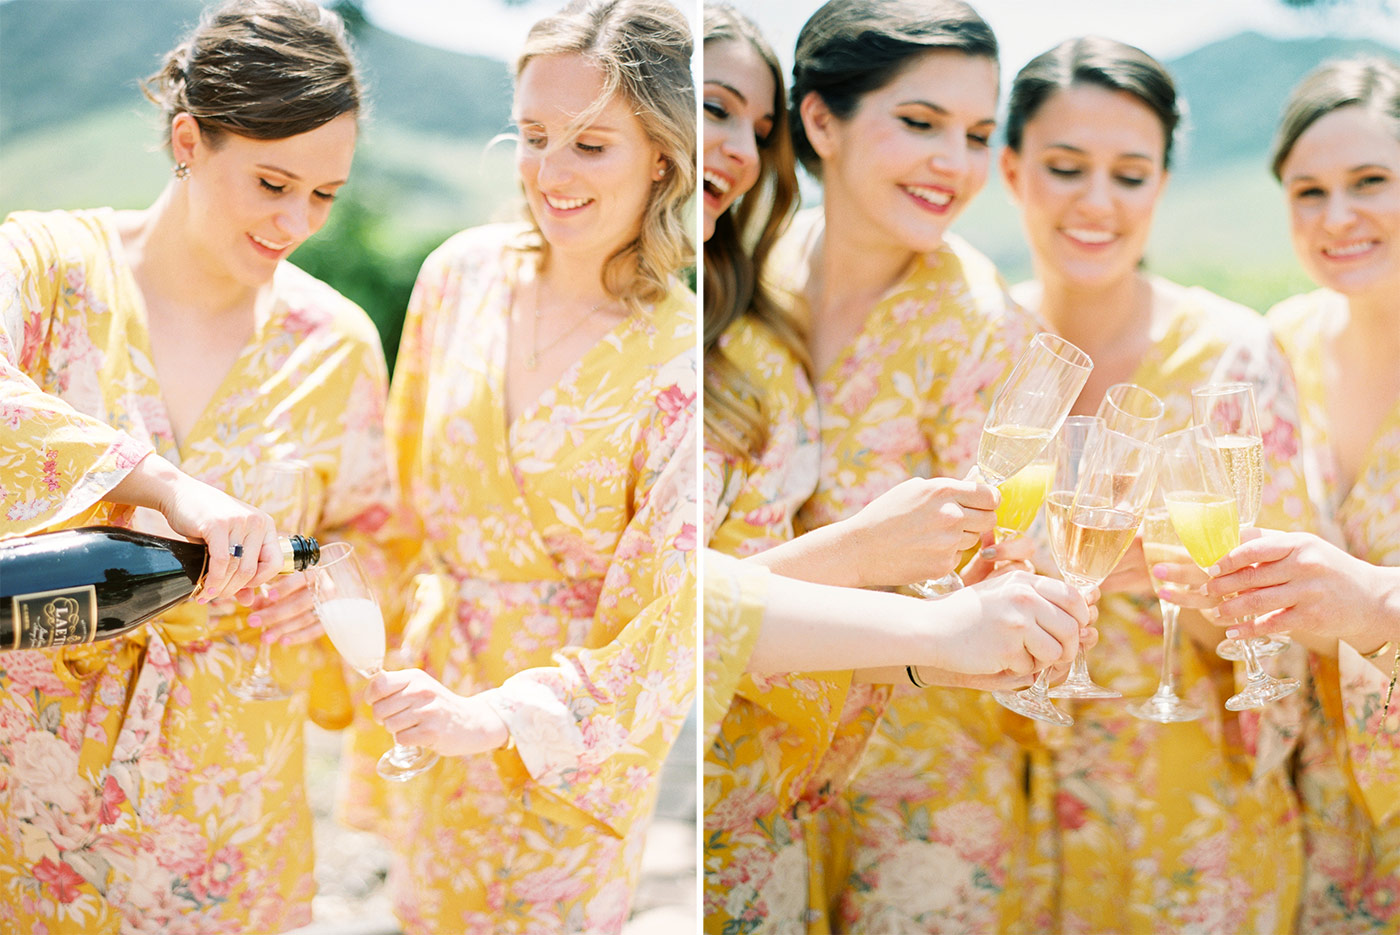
(1160, 543)
(1132, 410)
(1205, 513)
(348, 610)
(1228, 412)
(1025, 414)
(1110, 498)
(1067, 454)
(282, 490)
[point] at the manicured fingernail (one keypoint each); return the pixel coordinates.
(1159, 571)
(271, 593)
(1233, 634)
(1213, 570)
(254, 620)
(988, 553)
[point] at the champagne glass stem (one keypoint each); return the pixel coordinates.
(262, 664)
(1171, 614)
(1078, 683)
(1253, 671)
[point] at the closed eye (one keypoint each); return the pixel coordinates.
(913, 124)
(275, 189)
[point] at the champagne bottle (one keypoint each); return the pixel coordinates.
(98, 582)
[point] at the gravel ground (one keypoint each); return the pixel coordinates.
(351, 866)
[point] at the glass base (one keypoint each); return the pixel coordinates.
(260, 688)
(1165, 709)
(1088, 688)
(1260, 692)
(1026, 704)
(1264, 647)
(937, 587)
(402, 763)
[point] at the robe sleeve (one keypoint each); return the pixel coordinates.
(593, 731)
(55, 462)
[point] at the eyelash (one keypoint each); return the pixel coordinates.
(279, 189)
(538, 142)
(1128, 180)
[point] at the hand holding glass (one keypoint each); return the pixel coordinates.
(1205, 514)
(1228, 412)
(1067, 453)
(349, 612)
(1025, 414)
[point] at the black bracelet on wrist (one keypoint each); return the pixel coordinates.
(914, 677)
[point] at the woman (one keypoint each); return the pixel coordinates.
(543, 413)
(910, 331)
(770, 728)
(1337, 155)
(1148, 828)
(153, 358)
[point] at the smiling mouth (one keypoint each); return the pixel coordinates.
(566, 204)
(1347, 251)
(1090, 237)
(934, 197)
(716, 184)
(269, 245)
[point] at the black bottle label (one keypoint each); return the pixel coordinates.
(55, 618)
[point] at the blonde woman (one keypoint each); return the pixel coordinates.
(543, 415)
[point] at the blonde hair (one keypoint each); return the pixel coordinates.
(734, 404)
(643, 48)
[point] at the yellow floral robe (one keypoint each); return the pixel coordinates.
(550, 568)
(775, 728)
(137, 794)
(1192, 826)
(938, 789)
(1349, 775)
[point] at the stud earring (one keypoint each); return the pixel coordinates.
(182, 171)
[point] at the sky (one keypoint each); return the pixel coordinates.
(1025, 28)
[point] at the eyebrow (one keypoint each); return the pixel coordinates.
(1081, 152)
(939, 109)
(292, 175)
(728, 87)
(527, 121)
(1364, 167)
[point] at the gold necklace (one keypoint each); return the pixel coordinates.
(533, 361)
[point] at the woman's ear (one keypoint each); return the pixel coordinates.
(1011, 172)
(185, 138)
(820, 124)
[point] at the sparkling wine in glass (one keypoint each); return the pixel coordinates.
(350, 613)
(1228, 412)
(1025, 415)
(1204, 511)
(282, 490)
(1110, 498)
(1161, 544)
(1066, 457)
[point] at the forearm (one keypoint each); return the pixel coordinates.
(812, 627)
(822, 556)
(150, 484)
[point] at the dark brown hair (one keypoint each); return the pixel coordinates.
(1106, 63)
(734, 417)
(1370, 83)
(263, 69)
(849, 48)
